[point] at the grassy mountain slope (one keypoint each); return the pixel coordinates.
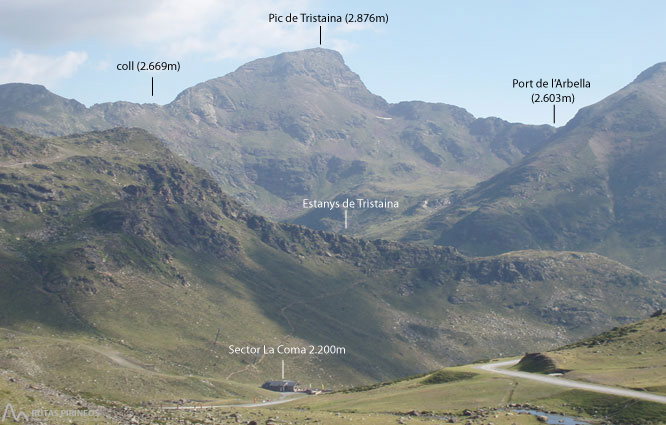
(303, 125)
(631, 356)
(116, 250)
(477, 397)
(598, 185)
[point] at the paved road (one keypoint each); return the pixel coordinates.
(282, 400)
(562, 382)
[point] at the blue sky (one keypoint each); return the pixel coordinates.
(461, 53)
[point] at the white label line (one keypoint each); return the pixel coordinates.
(345, 218)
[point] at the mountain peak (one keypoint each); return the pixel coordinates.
(323, 66)
(24, 86)
(311, 61)
(28, 94)
(315, 70)
(655, 72)
(326, 67)
(21, 93)
(20, 100)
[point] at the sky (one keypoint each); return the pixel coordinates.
(461, 53)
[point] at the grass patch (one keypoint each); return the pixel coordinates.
(620, 410)
(380, 384)
(439, 377)
(443, 376)
(657, 389)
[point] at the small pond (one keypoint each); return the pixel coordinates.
(555, 419)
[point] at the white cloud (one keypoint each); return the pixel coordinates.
(211, 30)
(342, 45)
(356, 27)
(39, 69)
(214, 29)
(102, 65)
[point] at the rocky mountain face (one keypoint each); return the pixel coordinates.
(302, 125)
(598, 185)
(111, 243)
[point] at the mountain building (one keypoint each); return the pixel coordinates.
(283, 386)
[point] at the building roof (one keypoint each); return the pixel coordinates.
(284, 382)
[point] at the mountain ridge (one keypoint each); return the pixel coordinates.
(595, 186)
(302, 124)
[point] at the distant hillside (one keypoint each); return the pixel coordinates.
(121, 261)
(598, 185)
(303, 125)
